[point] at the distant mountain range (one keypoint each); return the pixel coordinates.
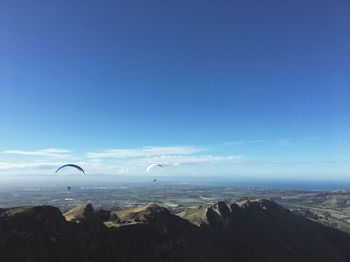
(245, 231)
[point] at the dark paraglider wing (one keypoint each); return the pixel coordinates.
(71, 165)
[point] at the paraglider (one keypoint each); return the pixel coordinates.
(152, 166)
(71, 165)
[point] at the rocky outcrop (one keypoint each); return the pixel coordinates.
(23, 228)
(30, 223)
(81, 213)
(103, 215)
(225, 214)
(144, 214)
(41, 218)
(262, 230)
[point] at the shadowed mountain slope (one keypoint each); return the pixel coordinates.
(262, 230)
(259, 230)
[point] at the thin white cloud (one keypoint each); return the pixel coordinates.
(145, 152)
(28, 166)
(284, 142)
(258, 141)
(291, 162)
(313, 138)
(196, 160)
(121, 160)
(238, 142)
(288, 142)
(42, 166)
(49, 152)
(125, 170)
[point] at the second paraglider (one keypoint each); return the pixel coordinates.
(151, 166)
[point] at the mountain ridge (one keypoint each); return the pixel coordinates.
(249, 230)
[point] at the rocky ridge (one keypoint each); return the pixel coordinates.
(258, 230)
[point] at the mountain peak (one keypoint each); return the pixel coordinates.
(143, 214)
(83, 212)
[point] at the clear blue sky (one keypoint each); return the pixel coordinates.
(256, 88)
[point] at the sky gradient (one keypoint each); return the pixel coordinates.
(206, 88)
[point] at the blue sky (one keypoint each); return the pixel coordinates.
(207, 88)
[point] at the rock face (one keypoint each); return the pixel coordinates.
(19, 227)
(262, 230)
(103, 215)
(259, 230)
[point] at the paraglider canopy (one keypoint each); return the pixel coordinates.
(152, 166)
(71, 165)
